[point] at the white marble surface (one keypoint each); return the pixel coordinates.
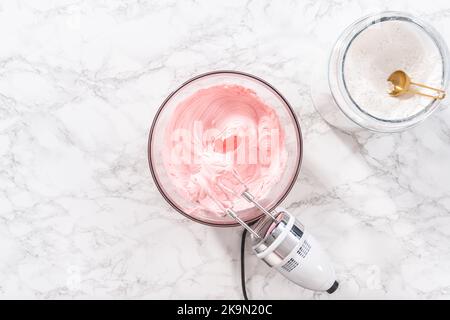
(80, 216)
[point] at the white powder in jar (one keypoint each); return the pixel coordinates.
(381, 49)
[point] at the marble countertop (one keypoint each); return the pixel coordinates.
(80, 217)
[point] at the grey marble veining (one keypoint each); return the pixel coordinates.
(80, 217)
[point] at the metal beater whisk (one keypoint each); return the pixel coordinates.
(247, 196)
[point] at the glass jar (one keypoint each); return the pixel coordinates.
(331, 96)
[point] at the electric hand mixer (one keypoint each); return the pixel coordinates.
(278, 238)
(282, 242)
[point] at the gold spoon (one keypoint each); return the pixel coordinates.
(401, 83)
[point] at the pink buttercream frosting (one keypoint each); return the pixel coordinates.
(218, 133)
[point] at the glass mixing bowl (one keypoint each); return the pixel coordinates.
(271, 97)
(329, 90)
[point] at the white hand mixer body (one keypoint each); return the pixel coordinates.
(286, 246)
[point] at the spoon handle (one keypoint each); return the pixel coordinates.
(438, 97)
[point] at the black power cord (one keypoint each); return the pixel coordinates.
(244, 289)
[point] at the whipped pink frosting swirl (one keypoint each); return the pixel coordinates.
(213, 135)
